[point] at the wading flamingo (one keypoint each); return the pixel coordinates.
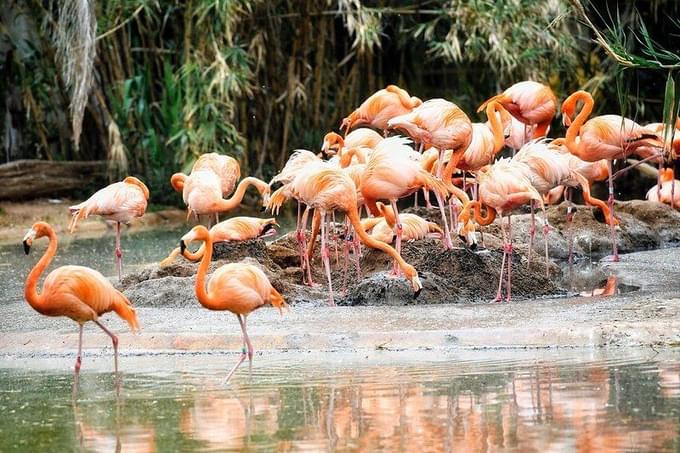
(77, 292)
(230, 230)
(532, 103)
(382, 105)
(333, 143)
(390, 174)
(669, 192)
(120, 202)
(502, 188)
(236, 287)
(327, 189)
(603, 137)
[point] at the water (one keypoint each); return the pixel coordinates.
(536, 401)
(139, 249)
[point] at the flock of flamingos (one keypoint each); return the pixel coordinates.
(442, 152)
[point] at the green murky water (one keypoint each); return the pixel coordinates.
(533, 404)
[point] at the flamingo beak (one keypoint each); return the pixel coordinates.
(28, 240)
(182, 246)
(268, 231)
(417, 286)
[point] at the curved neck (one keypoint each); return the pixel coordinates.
(496, 126)
(575, 127)
(347, 155)
(370, 242)
(456, 156)
(202, 294)
(237, 197)
(476, 208)
(34, 299)
(388, 214)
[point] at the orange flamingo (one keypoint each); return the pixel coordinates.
(225, 167)
(231, 230)
(236, 287)
(669, 191)
(202, 192)
(390, 174)
(326, 189)
(487, 140)
(333, 143)
(382, 105)
(603, 137)
(502, 188)
(120, 202)
(77, 292)
(532, 103)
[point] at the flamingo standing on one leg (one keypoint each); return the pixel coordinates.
(380, 107)
(603, 137)
(120, 202)
(236, 287)
(530, 102)
(502, 188)
(326, 189)
(77, 292)
(231, 230)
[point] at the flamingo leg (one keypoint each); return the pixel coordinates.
(447, 233)
(325, 257)
(546, 230)
(114, 341)
(333, 234)
(426, 196)
(79, 361)
(532, 234)
(509, 286)
(396, 270)
(244, 352)
(217, 218)
(119, 252)
(415, 199)
(570, 232)
(499, 296)
(610, 202)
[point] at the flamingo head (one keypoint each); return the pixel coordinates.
(332, 143)
(412, 275)
(38, 230)
(268, 228)
(197, 233)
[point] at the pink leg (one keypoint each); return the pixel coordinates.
(396, 270)
(509, 287)
(306, 267)
(244, 352)
(325, 257)
(357, 252)
(426, 196)
(114, 340)
(546, 230)
(447, 233)
(570, 233)
(499, 294)
(532, 233)
(79, 361)
(119, 252)
(334, 236)
(610, 201)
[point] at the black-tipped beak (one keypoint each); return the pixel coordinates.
(27, 247)
(267, 228)
(263, 208)
(182, 246)
(417, 293)
(473, 246)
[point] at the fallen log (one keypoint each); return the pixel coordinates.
(29, 179)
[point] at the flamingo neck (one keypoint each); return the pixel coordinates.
(375, 244)
(204, 297)
(583, 115)
(34, 299)
(496, 126)
(476, 208)
(236, 199)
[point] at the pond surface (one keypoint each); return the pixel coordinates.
(535, 401)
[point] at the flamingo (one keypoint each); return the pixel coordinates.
(390, 174)
(225, 167)
(327, 189)
(603, 137)
(333, 143)
(531, 103)
(414, 227)
(487, 140)
(77, 292)
(669, 191)
(382, 105)
(120, 202)
(202, 192)
(236, 287)
(502, 188)
(231, 230)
